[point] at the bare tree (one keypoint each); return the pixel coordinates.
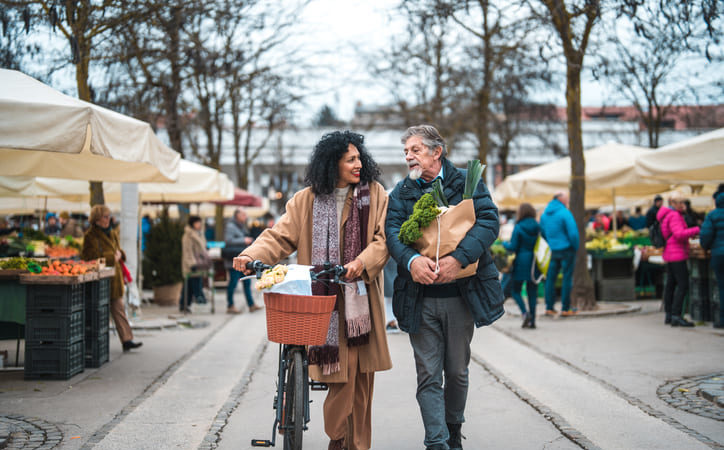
(83, 24)
(649, 43)
(150, 65)
(16, 51)
(421, 73)
(573, 22)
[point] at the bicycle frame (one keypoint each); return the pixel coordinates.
(287, 355)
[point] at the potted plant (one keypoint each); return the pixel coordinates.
(162, 260)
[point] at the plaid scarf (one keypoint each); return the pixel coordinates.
(325, 248)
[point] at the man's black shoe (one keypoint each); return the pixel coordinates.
(455, 442)
(128, 345)
(667, 320)
(678, 321)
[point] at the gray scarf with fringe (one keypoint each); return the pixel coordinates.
(325, 248)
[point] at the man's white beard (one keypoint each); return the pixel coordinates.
(415, 173)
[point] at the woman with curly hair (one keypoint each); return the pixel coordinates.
(346, 226)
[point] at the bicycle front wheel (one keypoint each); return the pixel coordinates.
(294, 408)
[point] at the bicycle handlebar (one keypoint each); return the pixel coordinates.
(336, 271)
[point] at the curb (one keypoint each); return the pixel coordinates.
(624, 308)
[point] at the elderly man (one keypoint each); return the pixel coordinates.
(559, 229)
(438, 310)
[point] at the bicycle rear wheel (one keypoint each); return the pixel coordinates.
(294, 403)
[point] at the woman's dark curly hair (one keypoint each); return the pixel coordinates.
(323, 169)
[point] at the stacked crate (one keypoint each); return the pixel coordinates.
(54, 331)
(699, 305)
(97, 302)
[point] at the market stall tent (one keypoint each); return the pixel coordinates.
(195, 183)
(610, 174)
(695, 161)
(46, 133)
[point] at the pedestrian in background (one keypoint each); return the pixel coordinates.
(558, 228)
(651, 213)
(439, 311)
(237, 239)
(52, 228)
(390, 275)
(342, 205)
(637, 221)
(100, 241)
(712, 238)
(525, 235)
(676, 253)
(194, 258)
(69, 226)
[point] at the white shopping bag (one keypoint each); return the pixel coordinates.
(296, 282)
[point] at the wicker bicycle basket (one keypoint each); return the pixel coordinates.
(298, 319)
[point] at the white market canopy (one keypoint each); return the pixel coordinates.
(49, 134)
(695, 161)
(610, 174)
(196, 183)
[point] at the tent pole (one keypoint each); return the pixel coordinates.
(615, 224)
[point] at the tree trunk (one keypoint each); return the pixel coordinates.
(582, 294)
(219, 223)
(95, 188)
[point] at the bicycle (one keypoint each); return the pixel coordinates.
(291, 401)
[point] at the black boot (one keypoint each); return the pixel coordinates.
(455, 442)
(526, 321)
(667, 320)
(532, 323)
(678, 321)
(128, 345)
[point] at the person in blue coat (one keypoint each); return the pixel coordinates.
(711, 237)
(525, 235)
(560, 231)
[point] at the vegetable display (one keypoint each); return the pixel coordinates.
(424, 211)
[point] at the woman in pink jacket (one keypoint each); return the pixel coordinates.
(676, 252)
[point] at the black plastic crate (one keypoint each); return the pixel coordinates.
(96, 320)
(55, 362)
(97, 293)
(96, 350)
(698, 268)
(59, 329)
(55, 298)
(604, 269)
(620, 289)
(699, 299)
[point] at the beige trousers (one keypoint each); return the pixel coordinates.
(348, 406)
(118, 312)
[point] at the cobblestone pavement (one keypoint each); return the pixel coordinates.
(702, 395)
(28, 433)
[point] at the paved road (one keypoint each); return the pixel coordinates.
(589, 383)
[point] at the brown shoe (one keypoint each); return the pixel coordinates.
(568, 313)
(232, 310)
(337, 444)
(253, 308)
(550, 312)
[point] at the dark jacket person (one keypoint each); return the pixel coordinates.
(436, 309)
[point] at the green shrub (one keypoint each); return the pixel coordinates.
(162, 257)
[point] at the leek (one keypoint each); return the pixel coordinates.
(438, 194)
(475, 172)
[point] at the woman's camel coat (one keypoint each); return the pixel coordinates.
(294, 232)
